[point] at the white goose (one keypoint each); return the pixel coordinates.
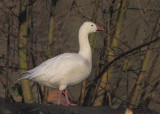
(68, 68)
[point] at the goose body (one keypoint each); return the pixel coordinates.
(68, 68)
(57, 73)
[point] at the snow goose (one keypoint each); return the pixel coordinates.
(68, 68)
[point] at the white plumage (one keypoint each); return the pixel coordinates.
(68, 68)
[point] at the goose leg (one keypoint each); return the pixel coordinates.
(59, 97)
(67, 99)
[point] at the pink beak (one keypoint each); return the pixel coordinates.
(99, 29)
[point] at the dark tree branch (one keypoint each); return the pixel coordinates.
(151, 10)
(122, 55)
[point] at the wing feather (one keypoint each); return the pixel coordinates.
(55, 67)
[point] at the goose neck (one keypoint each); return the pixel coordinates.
(85, 49)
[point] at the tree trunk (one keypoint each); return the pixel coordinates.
(119, 8)
(22, 57)
(51, 28)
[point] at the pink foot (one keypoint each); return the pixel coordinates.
(70, 104)
(68, 101)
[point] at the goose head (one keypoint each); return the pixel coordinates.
(90, 27)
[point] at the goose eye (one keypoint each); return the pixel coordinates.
(91, 25)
